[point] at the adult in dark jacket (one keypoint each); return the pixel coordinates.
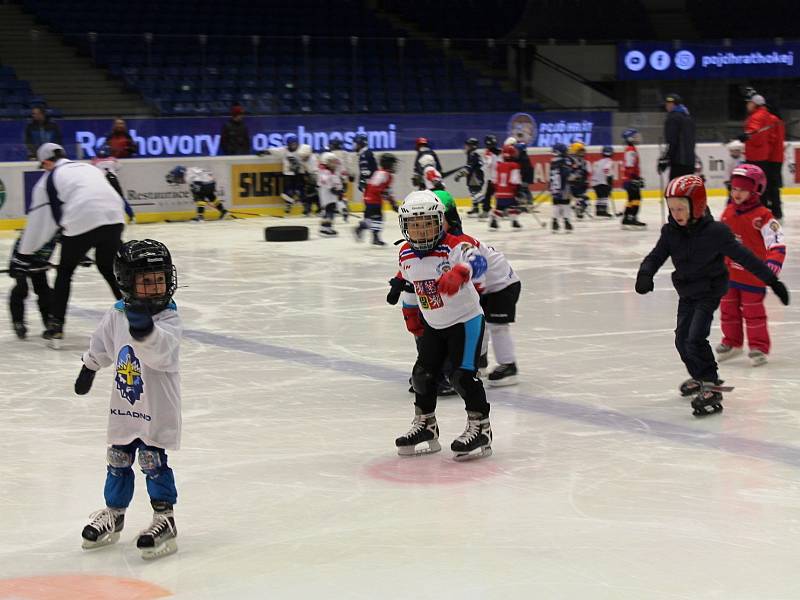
(40, 130)
(235, 137)
(679, 136)
(119, 142)
(698, 246)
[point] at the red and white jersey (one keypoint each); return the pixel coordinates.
(490, 160)
(107, 164)
(328, 184)
(379, 187)
(507, 179)
(432, 178)
(756, 228)
(438, 310)
(499, 274)
(630, 163)
(602, 170)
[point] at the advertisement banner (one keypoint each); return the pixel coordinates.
(707, 60)
(201, 136)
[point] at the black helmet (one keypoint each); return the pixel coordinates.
(490, 141)
(145, 256)
(471, 141)
(335, 144)
(387, 161)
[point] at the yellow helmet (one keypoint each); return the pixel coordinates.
(576, 147)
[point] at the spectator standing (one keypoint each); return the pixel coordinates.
(235, 137)
(119, 142)
(40, 130)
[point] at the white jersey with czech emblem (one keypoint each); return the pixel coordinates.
(438, 310)
(499, 274)
(146, 389)
(328, 184)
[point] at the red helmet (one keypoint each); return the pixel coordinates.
(693, 189)
(420, 142)
(510, 152)
(749, 177)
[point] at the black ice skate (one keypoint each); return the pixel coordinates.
(328, 230)
(424, 430)
(555, 227)
(103, 528)
(483, 365)
(159, 538)
(567, 226)
(708, 401)
(633, 224)
(474, 212)
(516, 225)
(690, 387)
(54, 334)
(476, 441)
(503, 375)
(376, 239)
(21, 330)
(602, 211)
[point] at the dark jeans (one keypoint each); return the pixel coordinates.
(16, 300)
(105, 240)
(772, 195)
(691, 337)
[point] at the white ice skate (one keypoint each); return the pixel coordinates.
(103, 529)
(422, 438)
(476, 441)
(725, 352)
(159, 538)
(757, 358)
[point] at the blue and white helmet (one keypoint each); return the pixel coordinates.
(290, 139)
(559, 149)
(176, 176)
(608, 150)
(631, 136)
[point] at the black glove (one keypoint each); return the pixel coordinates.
(638, 182)
(780, 291)
(460, 175)
(140, 322)
(663, 164)
(398, 285)
(743, 137)
(84, 381)
(644, 283)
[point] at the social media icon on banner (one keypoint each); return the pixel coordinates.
(660, 60)
(684, 60)
(635, 60)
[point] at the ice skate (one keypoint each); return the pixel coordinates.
(328, 231)
(103, 528)
(757, 358)
(503, 375)
(632, 224)
(515, 224)
(159, 538)
(54, 334)
(493, 224)
(483, 365)
(444, 388)
(726, 352)
(554, 226)
(567, 226)
(476, 441)
(20, 330)
(483, 215)
(424, 430)
(690, 387)
(473, 212)
(602, 211)
(376, 239)
(708, 401)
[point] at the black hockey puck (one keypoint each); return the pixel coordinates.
(286, 233)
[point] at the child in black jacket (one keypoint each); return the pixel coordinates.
(697, 245)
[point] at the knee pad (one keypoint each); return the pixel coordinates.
(423, 381)
(118, 460)
(463, 381)
(150, 462)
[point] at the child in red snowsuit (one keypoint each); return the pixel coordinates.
(756, 228)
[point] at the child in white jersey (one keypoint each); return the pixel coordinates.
(141, 337)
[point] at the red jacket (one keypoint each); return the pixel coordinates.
(776, 155)
(756, 228)
(760, 144)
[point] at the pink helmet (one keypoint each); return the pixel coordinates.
(749, 177)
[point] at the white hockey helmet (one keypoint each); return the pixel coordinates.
(329, 159)
(304, 152)
(427, 160)
(510, 141)
(734, 145)
(419, 210)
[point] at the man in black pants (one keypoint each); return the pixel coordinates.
(679, 135)
(76, 199)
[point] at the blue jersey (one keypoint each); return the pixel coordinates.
(559, 176)
(366, 167)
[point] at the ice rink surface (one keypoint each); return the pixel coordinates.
(602, 484)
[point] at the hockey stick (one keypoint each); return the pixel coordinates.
(452, 171)
(47, 267)
(662, 201)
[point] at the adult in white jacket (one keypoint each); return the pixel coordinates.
(76, 199)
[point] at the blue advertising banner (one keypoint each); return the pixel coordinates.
(645, 60)
(201, 136)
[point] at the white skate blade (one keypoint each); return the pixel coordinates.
(54, 344)
(419, 449)
(510, 380)
(170, 546)
(482, 452)
(103, 540)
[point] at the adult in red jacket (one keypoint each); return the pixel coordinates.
(774, 170)
(761, 130)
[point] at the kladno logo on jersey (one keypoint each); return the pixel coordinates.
(128, 377)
